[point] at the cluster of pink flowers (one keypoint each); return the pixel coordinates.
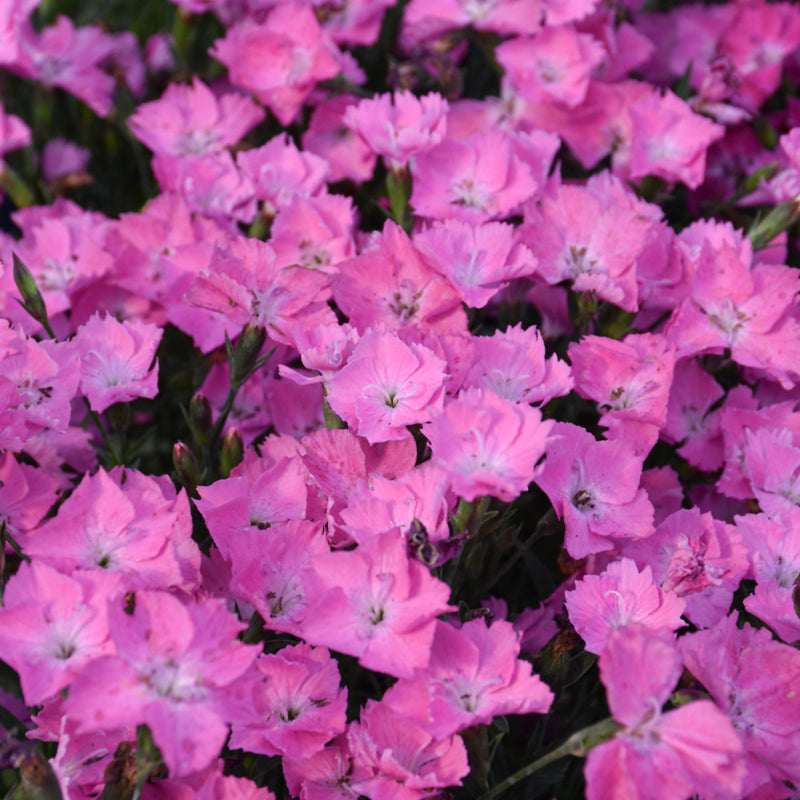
(388, 415)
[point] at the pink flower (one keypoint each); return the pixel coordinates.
(192, 120)
(385, 386)
(70, 58)
(487, 444)
(279, 60)
(377, 605)
(690, 421)
(619, 596)
(327, 136)
(750, 310)
(298, 704)
(474, 675)
(279, 171)
(487, 176)
(399, 126)
(512, 364)
(116, 359)
(670, 140)
(407, 762)
(754, 680)
(774, 554)
(52, 625)
(274, 571)
(478, 260)
(211, 183)
(175, 670)
(14, 133)
(594, 488)
(659, 755)
(630, 380)
(581, 235)
(553, 65)
(391, 283)
(698, 557)
(244, 283)
(136, 526)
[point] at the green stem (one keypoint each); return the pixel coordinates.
(221, 420)
(115, 456)
(577, 745)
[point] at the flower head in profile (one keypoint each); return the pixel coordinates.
(399, 126)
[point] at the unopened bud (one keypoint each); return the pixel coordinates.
(232, 450)
(200, 419)
(243, 360)
(782, 217)
(32, 300)
(186, 467)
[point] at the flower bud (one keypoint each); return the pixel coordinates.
(32, 300)
(187, 467)
(232, 450)
(200, 419)
(243, 359)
